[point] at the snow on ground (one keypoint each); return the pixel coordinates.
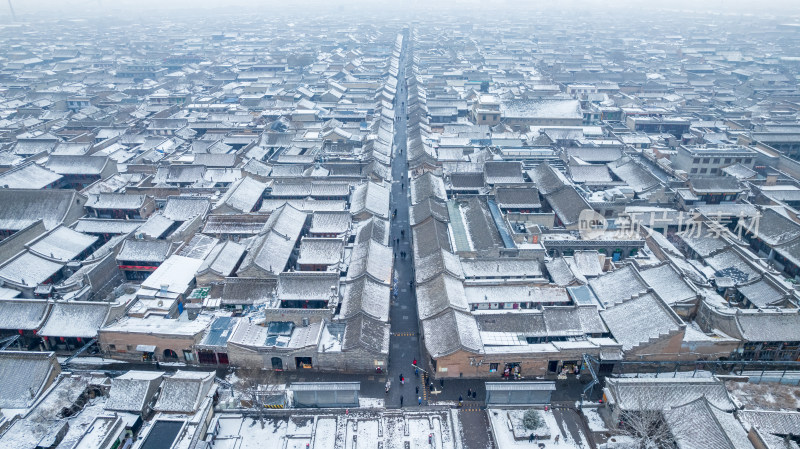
(504, 437)
(254, 437)
(768, 396)
(370, 402)
(338, 430)
(596, 423)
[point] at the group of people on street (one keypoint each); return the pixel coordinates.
(403, 382)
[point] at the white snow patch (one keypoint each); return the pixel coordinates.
(501, 429)
(596, 423)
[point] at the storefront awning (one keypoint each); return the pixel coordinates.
(146, 348)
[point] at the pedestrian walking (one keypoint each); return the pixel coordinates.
(557, 437)
(441, 383)
(419, 400)
(530, 439)
(417, 389)
(474, 395)
(469, 392)
(402, 380)
(416, 372)
(401, 400)
(460, 400)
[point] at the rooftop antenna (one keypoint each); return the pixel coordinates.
(13, 14)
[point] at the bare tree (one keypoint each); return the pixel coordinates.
(251, 383)
(648, 428)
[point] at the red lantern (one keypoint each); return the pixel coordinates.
(79, 340)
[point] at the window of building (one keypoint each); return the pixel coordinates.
(694, 170)
(188, 355)
(493, 367)
(738, 159)
(716, 160)
(747, 161)
(696, 160)
(484, 116)
(727, 160)
(112, 347)
(713, 171)
(703, 170)
(706, 160)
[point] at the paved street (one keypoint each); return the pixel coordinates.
(404, 342)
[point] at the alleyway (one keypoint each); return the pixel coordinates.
(404, 343)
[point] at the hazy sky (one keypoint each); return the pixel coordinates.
(27, 9)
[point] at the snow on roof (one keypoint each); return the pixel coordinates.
(567, 204)
(330, 222)
(440, 293)
(223, 259)
(767, 325)
(27, 314)
(450, 332)
(143, 250)
(775, 422)
(373, 259)
(617, 286)
(426, 186)
(364, 332)
(320, 251)
(436, 263)
(546, 108)
(700, 424)
(29, 269)
(244, 195)
(159, 325)
(23, 376)
(632, 394)
(640, 320)
(20, 208)
(516, 293)
(634, 174)
(669, 284)
(156, 226)
(272, 249)
(502, 172)
(502, 267)
(732, 264)
(77, 165)
(62, 244)
(370, 197)
(364, 295)
(131, 391)
(176, 273)
(75, 319)
(184, 391)
(184, 208)
(247, 290)
(115, 201)
(307, 285)
(28, 176)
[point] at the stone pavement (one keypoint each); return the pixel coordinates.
(404, 342)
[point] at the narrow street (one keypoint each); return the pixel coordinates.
(404, 342)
